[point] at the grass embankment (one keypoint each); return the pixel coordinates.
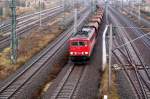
(3, 18)
(19, 11)
(22, 10)
(28, 46)
(104, 89)
(55, 70)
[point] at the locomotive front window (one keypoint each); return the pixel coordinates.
(79, 43)
(74, 43)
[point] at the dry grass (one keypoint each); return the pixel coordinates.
(114, 91)
(104, 86)
(104, 82)
(5, 64)
(28, 47)
(147, 17)
(56, 68)
(19, 11)
(22, 10)
(146, 30)
(3, 18)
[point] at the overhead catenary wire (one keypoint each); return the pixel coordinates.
(131, 41)
(117, 26)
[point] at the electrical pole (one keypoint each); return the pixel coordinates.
(133, 6)
(13, 33)
(93, 6)
(122, 4)
(73, 4)
(75, 20)
(110, 57)
(139, 11)
(106, 7)
(75, 17)
(63, 4)
(40, 14)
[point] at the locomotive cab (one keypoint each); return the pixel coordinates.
(79, 50)
(80, 46)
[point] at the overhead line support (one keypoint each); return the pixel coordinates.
(14, 42)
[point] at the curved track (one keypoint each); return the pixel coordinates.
(138, 81)
(133, 28)
(131, 60)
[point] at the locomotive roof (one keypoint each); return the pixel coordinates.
(95, 24)
(85, 34)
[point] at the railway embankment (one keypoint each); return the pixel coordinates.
(30, 45)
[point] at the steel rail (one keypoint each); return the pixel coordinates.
(145, 69)
(55, 47)
(146, 22)
(140, 58)
(63, 85)
(30, 15)
(135, 69)
(138, 76)
(128, 75)
(138, 55)
(145, 39)
(136, 52)
(4, 42)
(47, 10)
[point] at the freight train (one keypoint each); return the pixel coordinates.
(82, 43)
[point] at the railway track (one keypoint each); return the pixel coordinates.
(10, 89)
(30, 24)
(138, 82)
(136, 79)
(68, 85)
(129, 54)
(133, 28)
(26, 19)
(135, 14)
(77, 81)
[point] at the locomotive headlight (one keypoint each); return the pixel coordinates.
(75, 53)
(82, 53)
(71, 53)
(86, 52)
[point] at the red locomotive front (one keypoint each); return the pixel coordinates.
(80, 46)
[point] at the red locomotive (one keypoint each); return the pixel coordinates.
(81, 45)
